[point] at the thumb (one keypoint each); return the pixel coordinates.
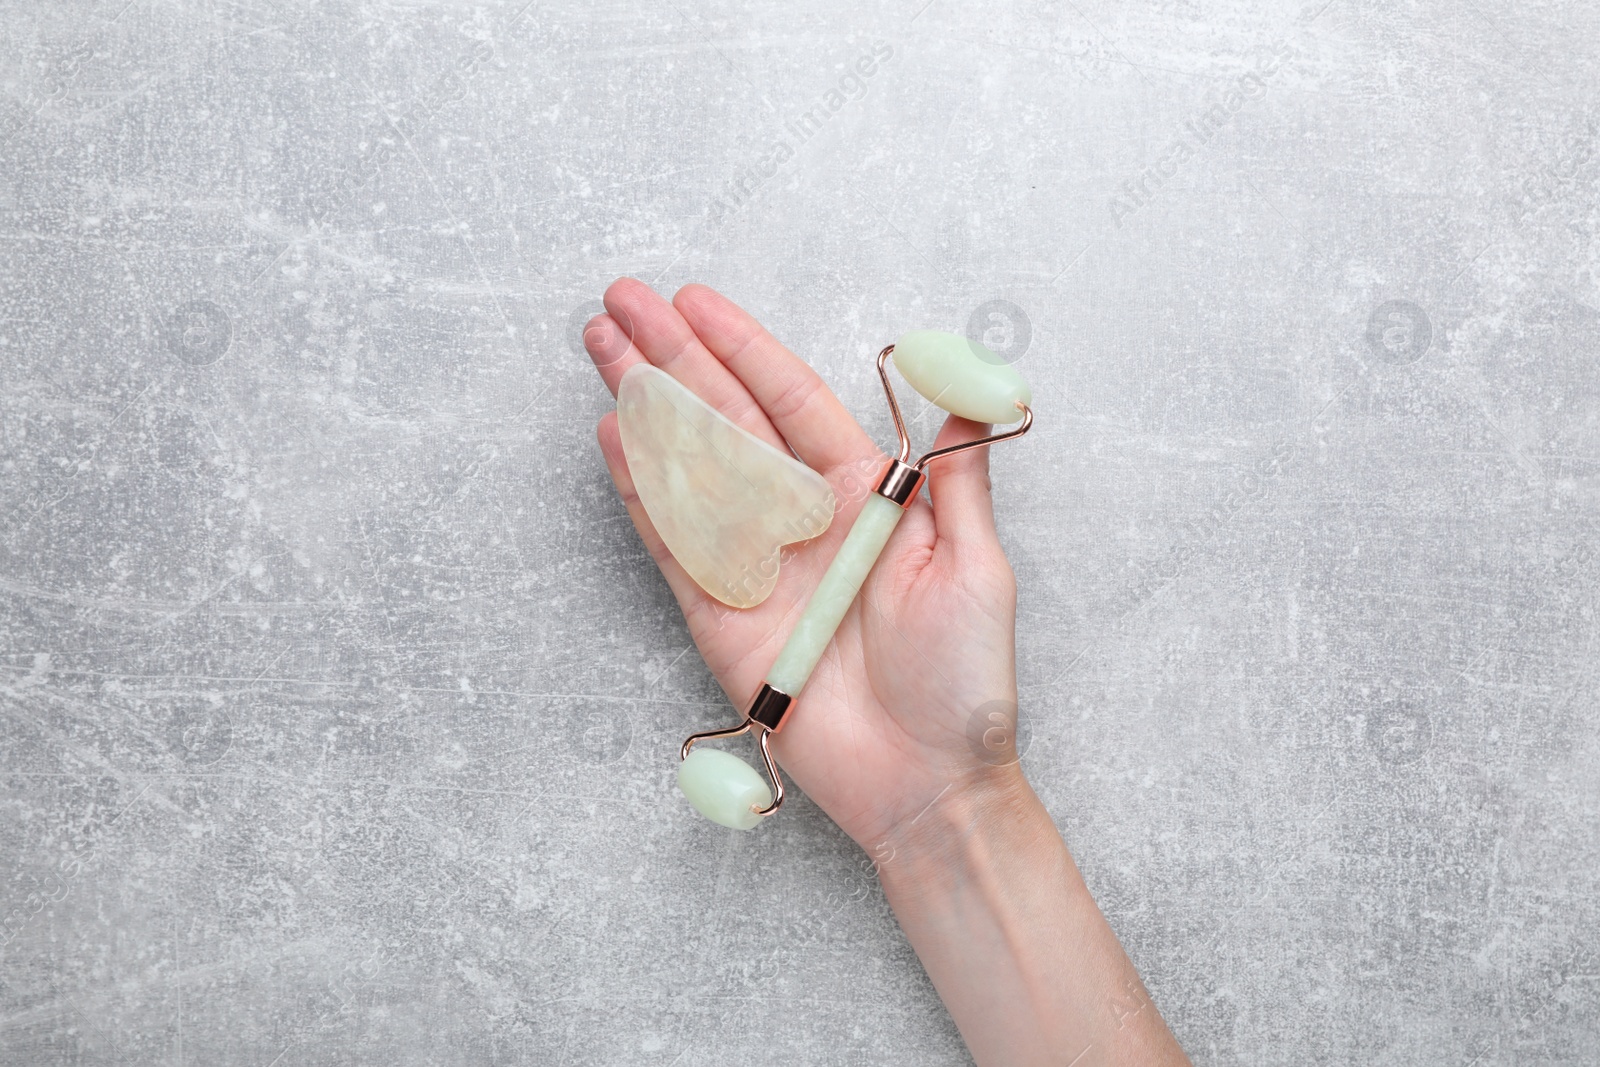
(963, 507)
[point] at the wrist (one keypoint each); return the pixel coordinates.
(989, 816)
(991, 900)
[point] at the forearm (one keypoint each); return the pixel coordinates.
(1029, 969)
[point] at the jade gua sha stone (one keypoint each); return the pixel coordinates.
(724, 501)
(965, 379)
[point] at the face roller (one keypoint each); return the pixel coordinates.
(963, 378)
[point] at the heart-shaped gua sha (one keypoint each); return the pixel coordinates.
(724, 501)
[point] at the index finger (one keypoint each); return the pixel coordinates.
(795, 398)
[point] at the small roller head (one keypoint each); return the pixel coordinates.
(961, 376)
(724, 788)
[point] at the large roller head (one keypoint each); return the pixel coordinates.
(961, 376)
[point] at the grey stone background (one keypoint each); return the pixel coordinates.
(340, 700)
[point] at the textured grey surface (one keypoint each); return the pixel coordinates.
(339, 699)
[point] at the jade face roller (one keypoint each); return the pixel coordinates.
(963, 378)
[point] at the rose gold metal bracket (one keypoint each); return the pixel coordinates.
(902, 478)
(764, 716)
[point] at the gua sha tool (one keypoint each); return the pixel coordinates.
(960, 376)
(724, 501)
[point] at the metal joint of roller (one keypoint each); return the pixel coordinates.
(900, 482)
(769, 707)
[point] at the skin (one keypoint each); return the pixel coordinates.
(881, 740)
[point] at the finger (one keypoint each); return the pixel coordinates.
(666, 340)
(691, 599)
(963, 506)
(612, 350)
(798, 402)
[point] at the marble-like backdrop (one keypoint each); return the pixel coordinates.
(340, 700)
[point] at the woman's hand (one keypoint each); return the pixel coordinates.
(916, 697)
(893, 735)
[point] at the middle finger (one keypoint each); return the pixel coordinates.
(667, 341)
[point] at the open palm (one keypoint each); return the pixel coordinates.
(923, 665)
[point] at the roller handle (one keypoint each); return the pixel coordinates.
(726, 789)
(834, 595)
